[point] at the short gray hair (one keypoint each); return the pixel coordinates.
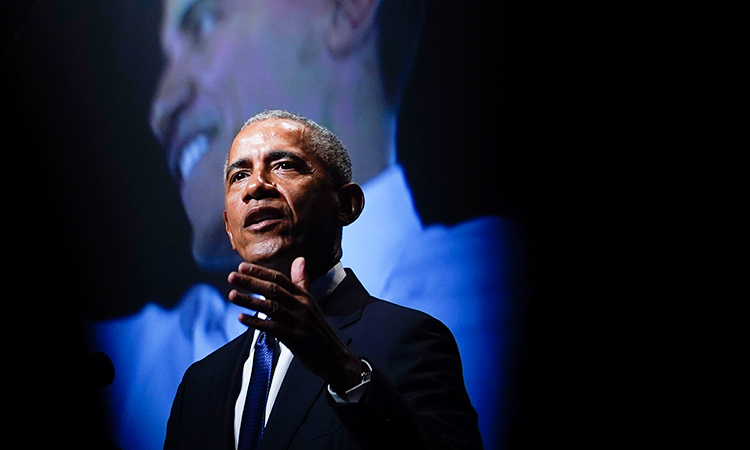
(322, 141)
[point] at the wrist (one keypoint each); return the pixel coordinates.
(354, 373)
(354, 394)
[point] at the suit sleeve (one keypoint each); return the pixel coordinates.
(171, 442)
(416, 398)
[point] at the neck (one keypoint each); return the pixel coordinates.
(318, 260)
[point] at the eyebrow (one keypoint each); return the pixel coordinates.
(273, 155)
(239, 164)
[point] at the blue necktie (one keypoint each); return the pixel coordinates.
(254, 413)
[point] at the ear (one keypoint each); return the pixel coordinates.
(351, 203)
(351, 22)
(229, 232)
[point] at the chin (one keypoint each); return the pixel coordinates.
(272, 257)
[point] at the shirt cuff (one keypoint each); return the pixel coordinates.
(354, 394)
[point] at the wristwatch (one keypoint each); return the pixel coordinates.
(366, 372)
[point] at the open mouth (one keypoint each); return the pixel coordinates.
(260, 217)
(193, 152)
(190, 154)
(186, 150)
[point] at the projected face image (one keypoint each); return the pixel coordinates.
(225, 61)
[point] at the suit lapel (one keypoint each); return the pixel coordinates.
(301, 388)
(298, 392)
(232, 390)
(346, 303)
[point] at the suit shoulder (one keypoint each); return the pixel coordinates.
(402, 319)
(380, 306)
(226, 355)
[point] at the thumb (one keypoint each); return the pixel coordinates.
(299, 273)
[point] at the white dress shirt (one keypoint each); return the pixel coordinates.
(321, 288)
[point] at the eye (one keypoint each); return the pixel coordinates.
(237, 176)
(285, 165)
(199, 20)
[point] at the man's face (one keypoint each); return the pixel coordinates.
(225, 61)
(279, 199)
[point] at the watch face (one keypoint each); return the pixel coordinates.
(366, 371)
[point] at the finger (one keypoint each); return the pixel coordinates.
(268, 289)
(251, 301)
(299, 274)
(267, 274)
(269, 326)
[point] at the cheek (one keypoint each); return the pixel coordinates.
(311, 211)
(232, 218)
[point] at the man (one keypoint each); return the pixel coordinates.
(288, 194)
(343, 64)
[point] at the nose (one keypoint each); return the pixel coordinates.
(259, 186)
(175, 94)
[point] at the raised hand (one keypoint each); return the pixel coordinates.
(296, 320)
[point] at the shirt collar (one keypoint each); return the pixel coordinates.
(324, 285)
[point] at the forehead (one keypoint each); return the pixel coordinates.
(273, 134)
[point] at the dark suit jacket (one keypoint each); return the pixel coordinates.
(415, 399)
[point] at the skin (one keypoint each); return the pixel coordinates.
(225, 60)
(284, 217)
